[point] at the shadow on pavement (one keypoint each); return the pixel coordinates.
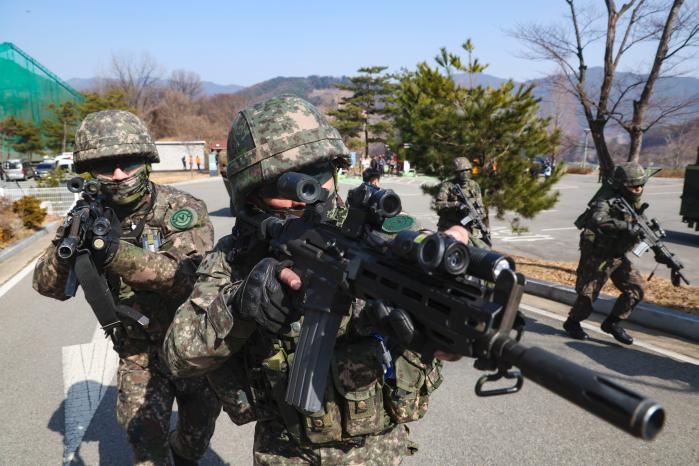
(683, 238)
(627, 360)
(104, 429)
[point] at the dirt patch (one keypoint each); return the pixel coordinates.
(657, 291)
(175, 177)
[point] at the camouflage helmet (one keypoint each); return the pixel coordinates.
(275, 136)
(461, 164)
(629, 174)
(112, 134)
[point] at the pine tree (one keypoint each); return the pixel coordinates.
(59, 130)
(361, 114)
(20, 135)
(497, 127)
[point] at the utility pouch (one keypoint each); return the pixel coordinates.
(358, 377)
(583, 219)
(407, 397)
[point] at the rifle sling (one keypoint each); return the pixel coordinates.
(97, 293)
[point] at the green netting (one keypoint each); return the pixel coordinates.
(27, 88)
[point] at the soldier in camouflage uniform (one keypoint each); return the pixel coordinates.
(239, 328)
(163, 234)
(450, 208)
(607, 235)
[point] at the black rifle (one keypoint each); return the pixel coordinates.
(84, 230)
(438, 281)
(651, 237)
(475, 214)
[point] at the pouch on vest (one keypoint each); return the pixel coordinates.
(407, 397)
(358, 377)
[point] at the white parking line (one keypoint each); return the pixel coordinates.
(9, 284)
(665, 192)
(559, 229)
(595, 329)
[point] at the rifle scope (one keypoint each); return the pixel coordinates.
(378, 203)
(299, 187)
(488, 264)
(432, 252)
(75, 185)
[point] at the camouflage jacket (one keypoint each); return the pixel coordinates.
(606, 227)
(154, 273)
(448, 205)
(248, 367)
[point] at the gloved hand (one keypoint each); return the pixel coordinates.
(392, 322)
(633, 229)
(262, 298)
(103, 239)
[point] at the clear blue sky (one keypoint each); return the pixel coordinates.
(244, 43)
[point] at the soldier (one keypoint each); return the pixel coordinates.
(607, 235)
(450, 208)
(239, 328)
(163, 234)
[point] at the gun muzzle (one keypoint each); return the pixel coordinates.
(75, 185)
(66, 249)
(629, 411)
(486, 264)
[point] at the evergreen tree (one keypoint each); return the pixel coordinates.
(361, 114)
(59, 130)
(497, 127)
(20, 135)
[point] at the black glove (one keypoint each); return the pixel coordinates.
(633, 229)
(262, 298)
(103, 239)
(393, 322)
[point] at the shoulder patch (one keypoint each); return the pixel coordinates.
(184, 218)
(398, 223)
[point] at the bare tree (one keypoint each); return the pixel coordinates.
(186, 82)
(665, 24)
(138, 77)
(680, 141)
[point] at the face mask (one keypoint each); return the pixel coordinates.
(463, 176)
(631, 197)
(126, 191)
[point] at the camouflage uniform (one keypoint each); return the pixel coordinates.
(448, 205)
(363, 415)
(153, 271)
(604, 241)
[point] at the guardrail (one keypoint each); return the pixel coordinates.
(56, 201)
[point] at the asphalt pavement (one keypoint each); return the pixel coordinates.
(57, 391)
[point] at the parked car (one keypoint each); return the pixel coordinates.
(18, 169)
(44, 167)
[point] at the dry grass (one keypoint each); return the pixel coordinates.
(658, 291)
(176, 176)
(24, 232)
(670, 173)
(579, 170)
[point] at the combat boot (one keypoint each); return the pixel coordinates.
(575, 330)
(611, 326)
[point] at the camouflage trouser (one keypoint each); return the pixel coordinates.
(146, 395)
(274, 448)
(593, 272)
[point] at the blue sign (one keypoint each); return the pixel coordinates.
(353, 157)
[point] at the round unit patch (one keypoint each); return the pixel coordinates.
(398, 223)
(183, 218)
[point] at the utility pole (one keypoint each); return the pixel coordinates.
(584, 160)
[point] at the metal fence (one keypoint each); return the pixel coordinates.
(56, 201)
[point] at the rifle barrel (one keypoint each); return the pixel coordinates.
(629, 411)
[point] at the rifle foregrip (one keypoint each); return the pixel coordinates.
(310, 368)
(640, 417)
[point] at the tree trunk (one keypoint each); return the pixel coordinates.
(606, 164)
(366, 139)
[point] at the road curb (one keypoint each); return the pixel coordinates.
(646, 314)
(21, 244)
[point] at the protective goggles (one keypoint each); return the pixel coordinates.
(107, 167)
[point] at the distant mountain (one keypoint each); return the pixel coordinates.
(306, 88)
(209, 88)
(479, 79)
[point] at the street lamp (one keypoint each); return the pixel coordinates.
(587, 133)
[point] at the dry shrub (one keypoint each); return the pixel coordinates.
(30, 211)
(670, 173)
(579, 170)
(10, 222)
